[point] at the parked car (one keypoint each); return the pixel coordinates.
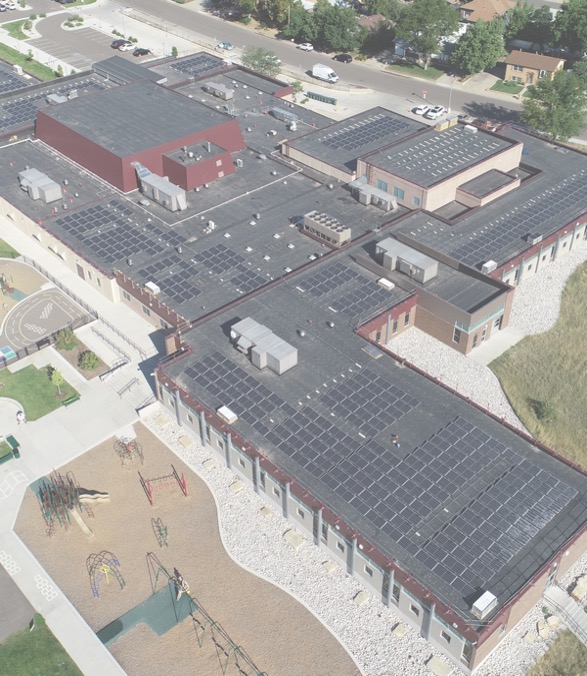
(141, 51)
(421, 109)
(10, 4)
(434, 112)
(306, 47)
(119, 41)
(343, 58)
(126, 47)
(225, 45)
(322, 72)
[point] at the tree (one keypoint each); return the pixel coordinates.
(540, 27)
(88, 360)
(301, 25)
(261, 60)
(276, 11)
(65, 339)
(517, 19)
(570, 25)
(391, 9)
(337, 28)
(424, 23)
(480, 47)
(580, 70)
(56, 378)
(556, 107)
(246, 7)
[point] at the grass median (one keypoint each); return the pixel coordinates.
(545, 375)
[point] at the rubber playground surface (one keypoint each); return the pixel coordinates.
(30, 307)
(132, 554)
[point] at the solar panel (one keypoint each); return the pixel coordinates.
(197, 65)
(219, 258)
(363, 132)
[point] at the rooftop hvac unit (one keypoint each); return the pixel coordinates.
(488, 267)
(386, 284)
(533, 238)
(152, 287)
(239, 163)
(228, 416)
(284, 115)
(470, 128)
(484, 605)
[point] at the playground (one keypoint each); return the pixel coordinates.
(115, 527)
(30, 307)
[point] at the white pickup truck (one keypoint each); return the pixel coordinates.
(322, 72)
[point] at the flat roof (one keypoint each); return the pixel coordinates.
(434, 156)
(487, 183)
(256, 237)
(554, 197)
(18, 110)
(341, 143)
(135, 117)
(122, 70)
(464, 504)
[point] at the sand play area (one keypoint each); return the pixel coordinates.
(277, 633)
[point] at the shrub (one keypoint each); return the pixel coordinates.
(88, 361)
(27, 25)
(174, 52)
(32, 17)
(65, 339)
(246, 20)
(59, 71)
(545, 411)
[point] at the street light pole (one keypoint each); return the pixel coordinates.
(450, 94)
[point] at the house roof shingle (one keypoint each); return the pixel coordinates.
(487, 9)
(531, 60)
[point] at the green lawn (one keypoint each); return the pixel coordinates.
(416, 70)
(32, 388)
(35, 653)
(6, 251)
(567, 656)
(507, 87)
(14, 29)
(5, 449)
(549, 371)
(32, 67)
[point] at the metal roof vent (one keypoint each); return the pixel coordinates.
(129, 261)
(301, 333)
(330, 324)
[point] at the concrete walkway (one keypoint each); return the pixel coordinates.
(49, 443)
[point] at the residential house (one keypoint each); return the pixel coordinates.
(527, 68)
(485, 10)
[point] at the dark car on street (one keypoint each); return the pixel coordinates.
(141, 51)
(117, 44)
(343, 58)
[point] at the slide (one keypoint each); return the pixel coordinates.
(81, 523)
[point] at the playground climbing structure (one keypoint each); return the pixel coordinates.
(100, 567)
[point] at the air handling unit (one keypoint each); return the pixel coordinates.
(39, 186)
(403, 258)
(326, 229)
(160, 189)
(221, 91)
(262, 346)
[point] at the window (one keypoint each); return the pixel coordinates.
(301, 513)
(147, 311)
(126, 295)
(325, 532)
(484, 334)
(516, 79)
(378, 337)
(475, 340)
(399, 193)
(369, 571)
(190, 418)
(414, 609)
(445, 636)
(543, 258)
(416, 201)
(529, 268)
(98, 282)
(503, 629)
(263, 480)
(407, 319)
(381, 185)
(164, 324)
(542, 73)
(395, 592)
(518, 69)
(394, 326)
(241, 462)
(276, 492)
(340, 546)
(89, 274)
(467, 652)
(456, 336)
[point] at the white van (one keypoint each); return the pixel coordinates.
(322, 72)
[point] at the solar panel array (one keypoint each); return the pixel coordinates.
(22, 111)
(219, 258)
(9, 81)
(197, 65)
(525, 218)
(232, 386)
(328, 278)
(247, 280)
(108, 230)
(368, 402)
(433, 157)
(462, 503)
(364, 296)
(373, 129)
(174, 276)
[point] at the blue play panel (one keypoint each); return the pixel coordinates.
(8, 353)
